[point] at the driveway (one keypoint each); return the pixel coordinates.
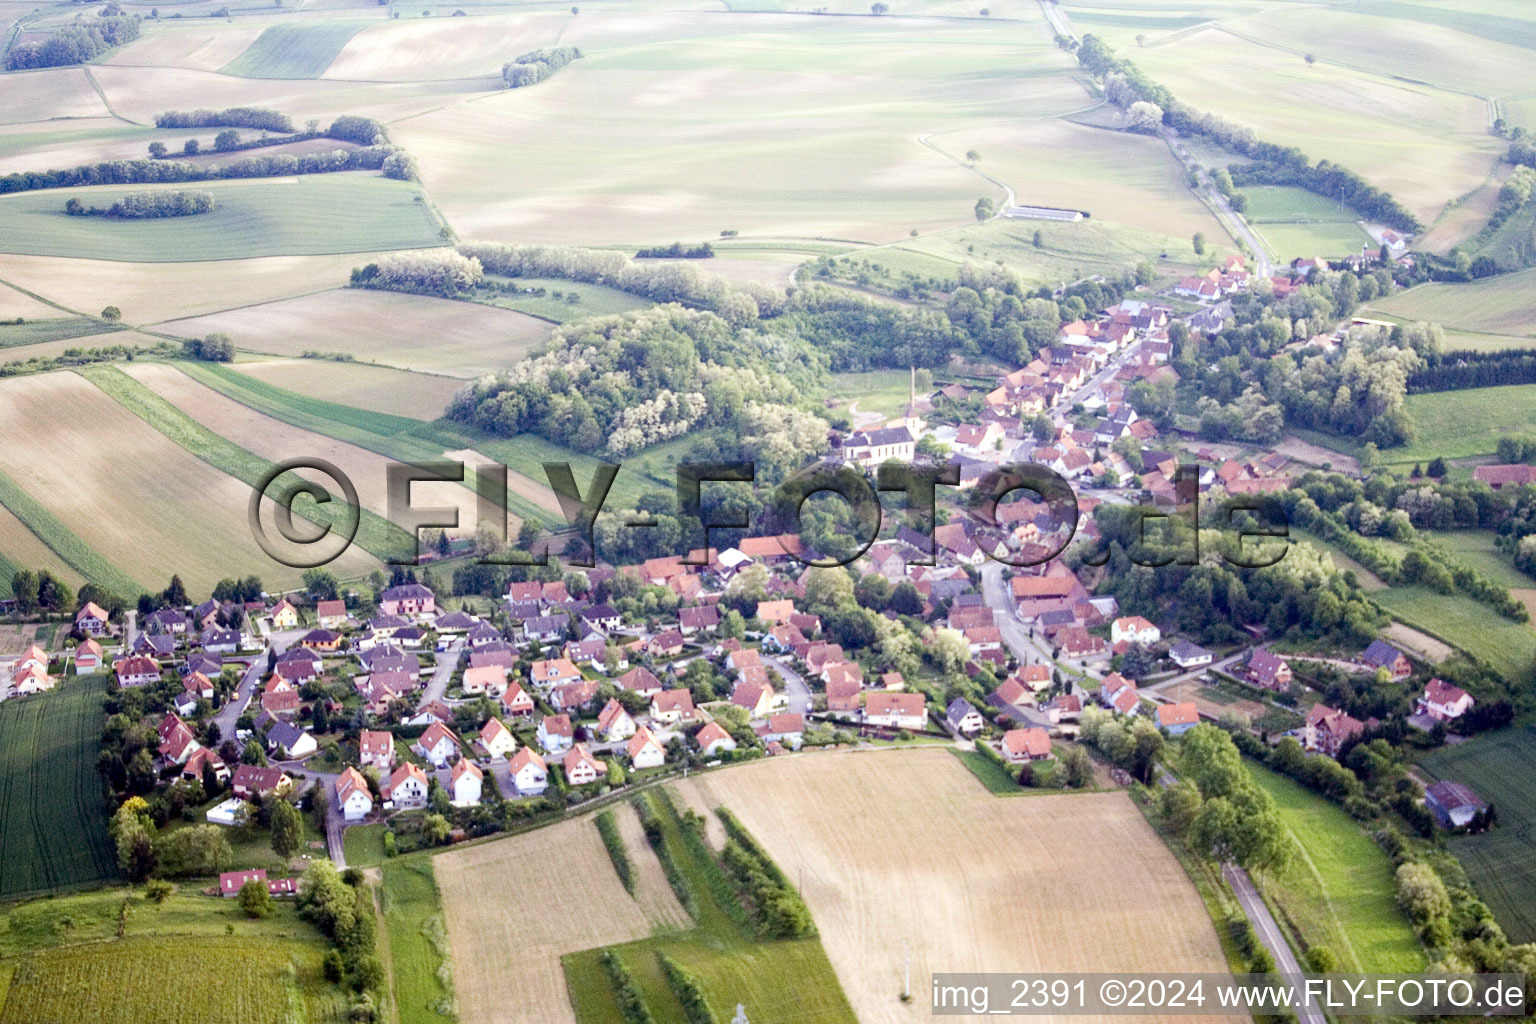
(447, 662)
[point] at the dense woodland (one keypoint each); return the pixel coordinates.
(86, 39)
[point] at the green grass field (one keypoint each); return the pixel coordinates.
(1508, 646)
(1464, 424)
(37, 332)
(592, 299)
(53, 833)
(991, 774)
(781, 982)
(1501, 768)
(1296, 222)
(418, 943)
(64, 542)
(228, 981)
(1502, 305)
(310, 215)
(301, 50)
(1475, 548)
(364, 845)
(1340, 892)
(375, 533)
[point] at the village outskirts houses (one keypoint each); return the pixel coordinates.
(352, 795)
(405, 788)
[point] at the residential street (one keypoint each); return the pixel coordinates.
(447, 662)
(1268, 931)
(229, 714)
(795, 688)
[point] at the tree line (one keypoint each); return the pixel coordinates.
(1273, 164)
(1456, 371)
(144, 172)
(534, 67)
(230, 117)
(83, 40)
(147, 205)
(676, 251)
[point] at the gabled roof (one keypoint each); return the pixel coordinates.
(1169, 715)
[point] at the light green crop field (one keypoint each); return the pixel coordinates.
(1424, 145)
(310, 215)
(1508, 646)
(1501, 768)
(1502, 305)
(299, 50)
(418, 942)
(54, 833)
(1466, 423)
(1340, 892)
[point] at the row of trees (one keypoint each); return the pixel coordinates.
(1455, 371)
(443, 273)
(147, 205)
(150, 171)
(83, 40)
(1271, 164)
(258, 118)
(532, 68)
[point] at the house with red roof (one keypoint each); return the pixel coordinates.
(1019, 746)
(1444, 702)
(406, 788)
(899, 710)
(581, 768)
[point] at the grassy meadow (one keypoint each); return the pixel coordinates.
(1503, 305)
(1501, 768)
(53, 834)
(1340, 892)
(421, 976)
(1296, 222)
(1465, 424)
(309, 215)
(1509, 646)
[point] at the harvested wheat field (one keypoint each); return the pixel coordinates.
(903, 849)
(514, 906)
(25, 550)
(202, 45)
(47, 94)
(413, 332)
(150, 292)
(419, 396)
(477, 47)
(128, 491)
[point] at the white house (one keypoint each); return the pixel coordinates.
(645, 751)
(614, 723)
(496, 739)
(555, 733)
(529, 772)
(712, 740)
(672, 706)
(1443, 702)
(466, 780)
(581, 767)
(1134, 629)
(376, 749)
(437, 744)
(896, 710)
(406, 788)
(352, 794)
(1187, 655)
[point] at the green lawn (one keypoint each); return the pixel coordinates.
(375, 534)
(53, 832)
(364, 845)
(418, 942)
(1464, 424)
(1508, 646)
(1501, 768)
(1340, 892)
(991, 774)
(37, 332)
(1296, 222)
(779, 982)
(592, 299)
(882, 391)
(309, 215)
(294, 50)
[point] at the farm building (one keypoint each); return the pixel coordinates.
(1453, 803)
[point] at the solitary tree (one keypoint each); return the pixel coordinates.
(112, 314)
(1199, 243)
(1310, 59)
(972, 157)
(157, 150)
(1039, 239)
(287, 829)
(878, 9)
(985, 209)
(226, 140)
(254, 899)
(190, 147)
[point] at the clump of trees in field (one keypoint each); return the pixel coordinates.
(215, 348)
(258, 118)
(676, 251)
(146, 206)
(430, 273)
(533, 67)
(82, 40)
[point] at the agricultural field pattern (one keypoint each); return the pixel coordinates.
(374, 649)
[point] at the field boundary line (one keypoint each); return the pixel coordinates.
(45, 301)
(100, 92)
(87, 561)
